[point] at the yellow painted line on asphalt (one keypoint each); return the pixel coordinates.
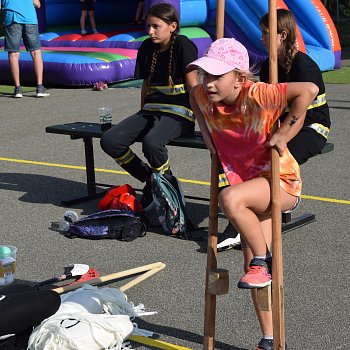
(322, 199)
(159, 344)
(195, 182)
(66, 166)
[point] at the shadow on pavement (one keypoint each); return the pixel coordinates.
(182, 334)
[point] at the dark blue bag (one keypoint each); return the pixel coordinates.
(123, 225)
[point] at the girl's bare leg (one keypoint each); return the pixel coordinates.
(139, 11)
(241, 204)
(92, 20)
(248, 207)
(244, 204)
(82, 19)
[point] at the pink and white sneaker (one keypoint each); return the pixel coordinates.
(258, 275)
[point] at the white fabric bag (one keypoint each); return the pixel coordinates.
(89, 318)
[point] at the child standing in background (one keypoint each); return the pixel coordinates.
(294, 66)
(21, 24)
(235, 116)
(87, 7)
(139, 12)
(165, 112)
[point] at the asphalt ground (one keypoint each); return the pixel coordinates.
(38, 170)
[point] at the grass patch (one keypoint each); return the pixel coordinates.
(135, 83)
(8, 89)
(338, 76)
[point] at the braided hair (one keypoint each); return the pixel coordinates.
(167, 13)
(285, 23)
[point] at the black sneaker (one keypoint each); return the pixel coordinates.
(17, 93)
(147, 197)
(40, 92)
(266, 344)
(229, 239)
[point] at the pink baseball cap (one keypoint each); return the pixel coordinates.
(223, 56)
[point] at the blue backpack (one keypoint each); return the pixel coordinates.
(170, 206)
(123, 225)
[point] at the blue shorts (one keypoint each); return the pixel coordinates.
(17, 31)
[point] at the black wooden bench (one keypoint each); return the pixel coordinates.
(88, 131)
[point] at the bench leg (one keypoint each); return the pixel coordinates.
(288, 223)
(90, 176)
(90, 166)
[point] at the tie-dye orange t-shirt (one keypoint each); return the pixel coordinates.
(240, 132)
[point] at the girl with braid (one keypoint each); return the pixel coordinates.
(165, 112)
(295, 66)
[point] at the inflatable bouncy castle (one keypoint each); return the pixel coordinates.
(71, 59)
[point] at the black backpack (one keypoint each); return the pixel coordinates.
(170, 206)
(123, 225)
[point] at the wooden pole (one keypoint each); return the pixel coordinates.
(277, 262)
(210, 297)
(220, 18)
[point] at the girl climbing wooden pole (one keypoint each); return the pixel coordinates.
(236, 115)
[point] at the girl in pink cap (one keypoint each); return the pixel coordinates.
(235, 116)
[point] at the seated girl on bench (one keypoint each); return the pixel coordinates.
(165, 112)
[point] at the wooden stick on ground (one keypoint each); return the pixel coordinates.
(277, 263)
(114, 276)
(210, 295)
(141, 278)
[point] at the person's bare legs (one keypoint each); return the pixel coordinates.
(241, 204)
(244, 203)
(92, 21)
(264, 317)
(14, 67)
(82, 20)
(247, 206)
(139, 12)
(38, 65)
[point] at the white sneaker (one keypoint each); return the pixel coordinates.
(229, 243)
(83, 32)
(95, 31)
(229, 239)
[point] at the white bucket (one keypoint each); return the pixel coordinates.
(7, 264)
